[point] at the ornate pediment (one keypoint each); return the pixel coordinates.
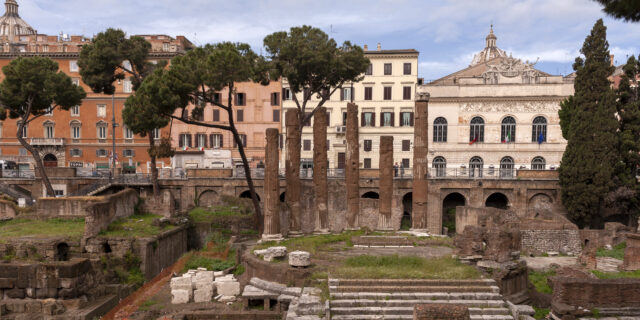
(510, 107)
(511, 70)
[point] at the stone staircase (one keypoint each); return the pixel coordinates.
(389, 299)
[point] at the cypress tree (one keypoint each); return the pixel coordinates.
(590, 126)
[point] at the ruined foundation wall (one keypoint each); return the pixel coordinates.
(539, 241)
(600, 293)
(163, 250)
(99, 215)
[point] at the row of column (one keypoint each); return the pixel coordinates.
(352, 173)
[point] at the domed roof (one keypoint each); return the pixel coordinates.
(490, 51)
(11, 24)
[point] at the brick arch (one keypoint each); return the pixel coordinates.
(208, 197)
(540, 200)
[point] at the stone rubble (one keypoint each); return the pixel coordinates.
(271, 253)
(201, 286)
(304, 303)
(299, 259)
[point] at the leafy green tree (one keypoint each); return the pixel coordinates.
(588, 122)
(313, 64)
(194, 80)
(32, 87)
(629, 10)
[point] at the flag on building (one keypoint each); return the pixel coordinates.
(540, 138)
(507, 138)
(475, 139)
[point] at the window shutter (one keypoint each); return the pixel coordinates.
(353, 93)
(393, 115)
(381, 119)
(244, 140)
(204, 138)
(180, 140)
(362, 122)
(211, 140)
(216, 115)
(221, 140)
(328, 119)
(133, 153)
(341, 94)
(373, 119)
(411, 119)
(189, 140)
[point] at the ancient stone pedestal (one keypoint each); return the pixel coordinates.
(386, 182)
(632, 252)
(320, 122)
(292, 167)
(271, 188)
(420, 165)
(588, 256)
(352, 172)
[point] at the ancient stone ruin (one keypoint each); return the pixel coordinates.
(420, 164)
(292, 167)
(320, 163)
(352, 171)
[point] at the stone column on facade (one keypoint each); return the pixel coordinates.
(320, 123)
(420, 165)
(271, 187)
(352, 170)
(292, 167)
(386, 182)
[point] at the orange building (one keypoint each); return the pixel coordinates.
(256, 108)
(81, 137)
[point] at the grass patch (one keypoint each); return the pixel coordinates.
(68, 228)
(539, 280)
(401, 267)
(313, 244)
(617, 275)
(616, 252)
(146, 306)
(137, 225)
(200, 214)
(211, 264)
(541, 313)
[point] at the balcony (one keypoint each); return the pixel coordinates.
(47, 141)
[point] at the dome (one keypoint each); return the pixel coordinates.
(490, 51)
(11, 24)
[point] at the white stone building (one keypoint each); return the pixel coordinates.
(500, 112)
(385, 98)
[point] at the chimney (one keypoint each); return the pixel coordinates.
(612, 64)
(379, 47)
(366, 47)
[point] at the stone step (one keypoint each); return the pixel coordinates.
(429, 289)
(490, 311)
(490, 317)
(371, 317)
(417, 295)
(410, 303)
(411, 282)
(372, 311)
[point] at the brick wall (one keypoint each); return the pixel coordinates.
(537, 174)
(565, 241)
(99, 215)
(592, 293)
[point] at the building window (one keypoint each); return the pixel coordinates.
(156, 133)
(128, 134)
(216, 140)
(406, 145)
(539, 130)
(508, 132)
(76, 81)
(306, 145)
(344, 119)
(201, 140)
(367, 163)
(476, 132)
(102, 130)
(102, 110)
(101, 153)
(506, 167)
(345, 94)
(286, 94)
(368, 93)
(538, 163)
(75, 111)
(387, 69)
(75, 152)
(440, 130)
(240, 115)
(73, 66)
(406, 163)
(184, 140)
(368, 119)
(440, 166)
(369, 70)
(243, 138)
(276, 115)
(48, 111)
(475, 167)
(126, 86)
(367, 145)
(386, 119)
(216, 115)
(48, 130)
(128, 153)
(165, 47)
(45, 48)
(307, 119)
(216, 97)
(407, 68)
(241, 99)
(406, 93)
(24, 131)
(325, 94)
(275, 98)
(406, 119)
(75, 129)
(387, 93)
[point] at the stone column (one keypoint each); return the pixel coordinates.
(386, 182)
(292, 167)
(352, 169)
(320, 123)
(271, 188)
(420, 165)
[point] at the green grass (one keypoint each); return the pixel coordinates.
(617, 275)
(313, 244)
(201, 214)
(146, 306)
(541, 313)
(137, 225)
(616, 252)
(211, 264)
(68, 228)
(403, 267)
(539, 280)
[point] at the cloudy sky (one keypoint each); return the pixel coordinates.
(447, 33)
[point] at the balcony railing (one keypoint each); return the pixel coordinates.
(18, 173)
(47, 141)
(401, 173)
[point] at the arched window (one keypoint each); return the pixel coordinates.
(48, 129)
(506, 167)
(475, 167)
(508, 132)
(440, 130)
(101, 126)
(440, 166)
(476, 132)
(539, 130)
(538, 163)
(75, 129)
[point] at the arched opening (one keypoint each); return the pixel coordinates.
(440, 166)
(50, 160)
(475, 167)
(247, 194)
(449, 204)
(476, 130)
(371, 195)
(208, 198)
(106, 248)
(538, 163)
(539, 130)
(62, 251)
(506, 167)
(407, 205)
(508, 130)
(283, 197)
(497, 200)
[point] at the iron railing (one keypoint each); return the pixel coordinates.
(18, 173)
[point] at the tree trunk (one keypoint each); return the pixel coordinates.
(154, 169)
(247, 170)
(38, 160)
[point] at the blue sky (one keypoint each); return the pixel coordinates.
(447, 33)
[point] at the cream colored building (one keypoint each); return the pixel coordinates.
(499, 113)
(385, 98)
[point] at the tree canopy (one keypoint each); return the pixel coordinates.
(628, 10)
